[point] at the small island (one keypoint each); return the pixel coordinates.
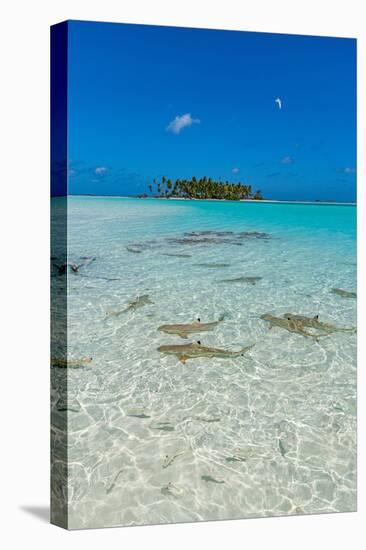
(203, 188)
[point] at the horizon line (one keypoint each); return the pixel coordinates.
(293, 201)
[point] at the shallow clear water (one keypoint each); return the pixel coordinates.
(275, 427)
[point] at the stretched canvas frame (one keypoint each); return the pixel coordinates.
(176, 403)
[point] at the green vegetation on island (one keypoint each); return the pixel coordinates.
(203, 188)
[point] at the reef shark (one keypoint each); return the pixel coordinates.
(344, 293)
(177, 255)
(211, 479)
(292, 325)
(249, 280)
(313, 322)
(195, 349)
(140, 301)
(170, 459)
(183, 330)
(62, 268)
(212, 265)
(67, 363)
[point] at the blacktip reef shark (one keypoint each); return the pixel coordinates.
(298, 323)
(243, 279)
(137, 413)
(183, 330)
(64, 405)
(177, 255)
(210, 479)
(213, 265)
(168, 461)
(164, 426)
(140, 301)
(207, 419)
(171, 490)
(68, 363)
(237, 458)
(344, 293)
(134, 249)
(291, 325)
(247, 453)
(62, 268)
(313, 322)
(193, 350)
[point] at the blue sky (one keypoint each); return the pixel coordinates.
(147, 101)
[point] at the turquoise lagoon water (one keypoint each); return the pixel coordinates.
(155, 440)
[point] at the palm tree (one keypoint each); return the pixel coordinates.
(204, 188)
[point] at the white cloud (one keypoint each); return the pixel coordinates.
(279, 102)
(100, 170)
(347, 170)
(287, 160)
(180, 122)
(235, 170)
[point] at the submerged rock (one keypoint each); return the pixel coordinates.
(208, 232)
(217, 237)
(253, 235)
